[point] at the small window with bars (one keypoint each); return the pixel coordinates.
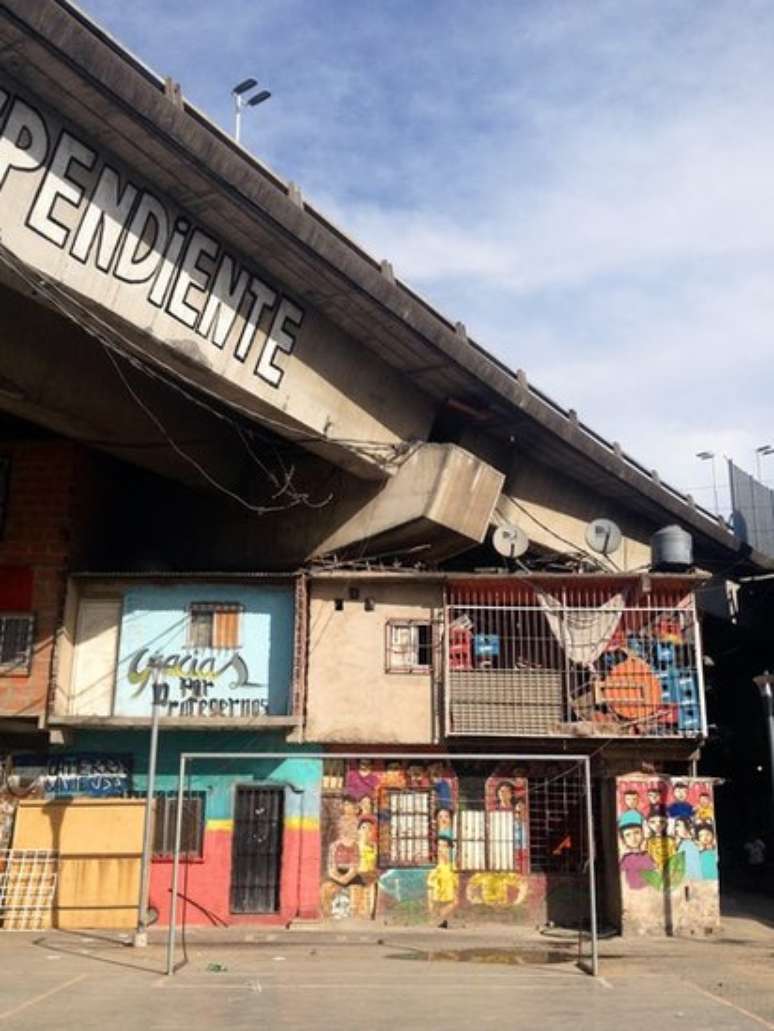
(406, 827)
(16, 639)
(470, 835)
(409, 646)
(214, 625)
(492, 840)
(191, 831)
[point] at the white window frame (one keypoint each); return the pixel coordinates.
(394, 663)
(408, 816)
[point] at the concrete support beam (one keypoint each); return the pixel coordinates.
(555, 510)
(439, 489)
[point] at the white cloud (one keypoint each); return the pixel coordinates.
(587, 186)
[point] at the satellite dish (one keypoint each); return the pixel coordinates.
(603, 536)
(510, 541)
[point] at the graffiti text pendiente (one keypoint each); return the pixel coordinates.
(128, 233)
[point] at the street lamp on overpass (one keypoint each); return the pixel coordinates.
(243, 99)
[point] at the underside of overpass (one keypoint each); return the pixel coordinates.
(168, 300)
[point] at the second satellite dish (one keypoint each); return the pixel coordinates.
(510, 541)
(603, 536)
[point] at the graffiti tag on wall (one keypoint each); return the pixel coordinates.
(191, 684)
(60, 776)
(215, 651)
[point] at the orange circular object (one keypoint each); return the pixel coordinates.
(631, 689)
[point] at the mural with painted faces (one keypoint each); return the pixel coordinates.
(631, 800)
(633, 837)
(506, 794)
(658, 821)
(444, 821)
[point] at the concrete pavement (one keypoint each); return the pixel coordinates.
(304, 979)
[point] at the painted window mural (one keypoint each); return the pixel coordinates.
(667, 848)
(220, 650)
(419, 840)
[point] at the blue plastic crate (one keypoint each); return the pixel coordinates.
(486, 646)
(689, 717)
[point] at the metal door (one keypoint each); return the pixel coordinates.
(256, 850)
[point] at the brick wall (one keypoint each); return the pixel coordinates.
(36, 537)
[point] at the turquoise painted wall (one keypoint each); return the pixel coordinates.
(215, 776)
(155, 621)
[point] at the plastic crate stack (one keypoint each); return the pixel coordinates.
(679, 684)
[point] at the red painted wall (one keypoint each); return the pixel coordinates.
(203, 891)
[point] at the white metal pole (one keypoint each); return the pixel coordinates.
(238, 117)
(592, 869)
(699, 653)
(715, 486)
(176, 869)
(141, 934)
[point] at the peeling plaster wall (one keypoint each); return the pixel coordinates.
(667, 855)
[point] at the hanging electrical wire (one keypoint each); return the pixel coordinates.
(575, 549)
(382, 452)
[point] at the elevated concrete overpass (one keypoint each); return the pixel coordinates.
(147, 256)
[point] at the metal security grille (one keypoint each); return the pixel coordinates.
(408, 829)
(164, 819)
(28, 879)
(471, 837)
(256, 850)
(542, 656)
(16, 635)
(557, 828)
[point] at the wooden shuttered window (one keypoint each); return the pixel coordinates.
(215, 625)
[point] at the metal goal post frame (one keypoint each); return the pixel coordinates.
(583, 761)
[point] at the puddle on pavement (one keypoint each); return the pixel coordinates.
(506, 957)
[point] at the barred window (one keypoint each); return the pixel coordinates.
(333, 776)
(493, 840)
(192, 829)
(470, 827)
(407, 838)
(16, 639)
(409, 646)
(500, 843)
(214, 625)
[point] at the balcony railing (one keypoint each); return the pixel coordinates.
(583, 656)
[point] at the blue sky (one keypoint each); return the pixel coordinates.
(586, 185)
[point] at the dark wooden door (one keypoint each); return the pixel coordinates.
(256, 850)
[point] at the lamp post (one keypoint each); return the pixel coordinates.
(765, 684)
(761, 452)
(242, 100)
(709, 456)
(159, 693)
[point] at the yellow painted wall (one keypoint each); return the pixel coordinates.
(99, 844)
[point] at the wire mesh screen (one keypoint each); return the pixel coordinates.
(28, 879)
(565, 656)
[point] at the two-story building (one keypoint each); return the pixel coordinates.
(240, 459)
